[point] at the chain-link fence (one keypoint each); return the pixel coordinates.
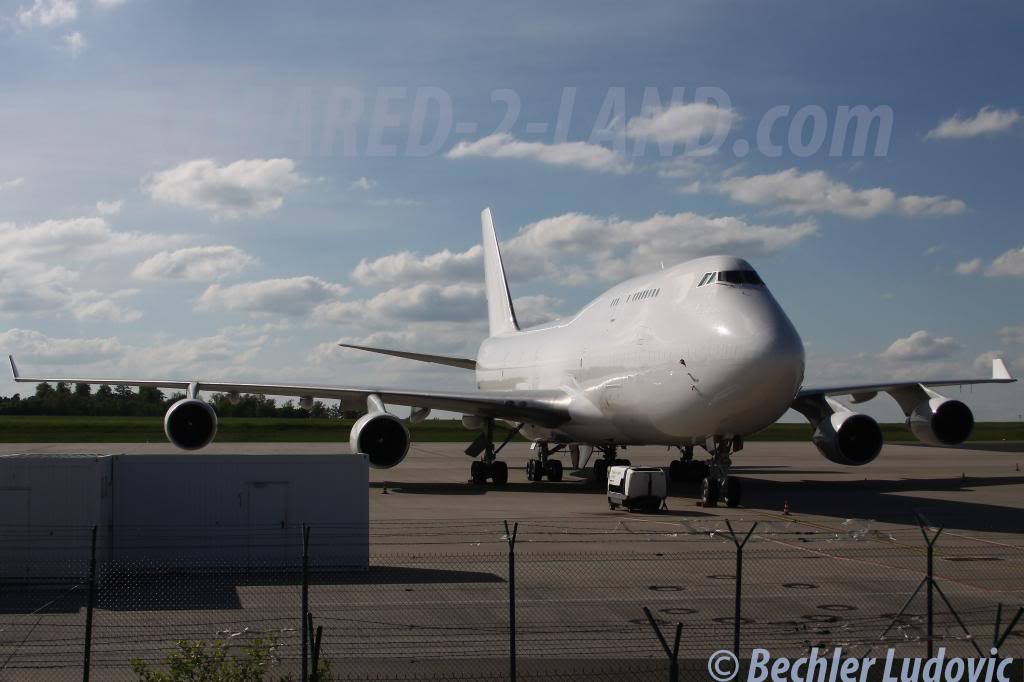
(448, 600)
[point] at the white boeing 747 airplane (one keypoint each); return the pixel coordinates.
(699, 354)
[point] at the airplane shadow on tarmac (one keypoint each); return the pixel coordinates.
(890, 501)
(886, 501)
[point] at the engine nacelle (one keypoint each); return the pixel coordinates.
(190, 424)
(382, 437)
(941, 421)
(849, 438)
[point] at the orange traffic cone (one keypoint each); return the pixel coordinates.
(785, 508)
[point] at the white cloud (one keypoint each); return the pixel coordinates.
(682, 122)
(419, 303)
(1012, 334)
(105, 310)
(1009, 264)
(76, 239)
(363, 184)
(814, 192)
(932, 250)
(407, 267)
(38, 347)
(293, 296)
(109, 4)
(249, 187)
(109, 207)
(38, 265)
(920, 346)
(987, 121)
(11, 184)
(198, 264)
(574, 248)
(968, 267)
(591, 157)
(48, 13)
(75, 43)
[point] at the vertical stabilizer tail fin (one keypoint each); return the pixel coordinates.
(500, 313)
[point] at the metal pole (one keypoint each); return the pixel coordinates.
(739, 584)
(931, 599)
(739, 599)
(88, 609)
(511, 537)
(305, 601)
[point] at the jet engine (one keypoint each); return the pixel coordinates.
(941, 421)
(190, 424)
(382, 437)
(848, 438)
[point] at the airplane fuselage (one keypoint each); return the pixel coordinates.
(659, 359)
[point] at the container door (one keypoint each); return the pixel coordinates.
(267, 523)
(16, 531)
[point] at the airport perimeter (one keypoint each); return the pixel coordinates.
(435, 602)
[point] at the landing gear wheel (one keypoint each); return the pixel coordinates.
(675, 471)
(733, 492)
(621, 463)
(554, 470)
(708, 492)
(532, 468)
(499, 472)
(601, 470)
(478, 472)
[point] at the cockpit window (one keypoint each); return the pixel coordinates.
(732, 277)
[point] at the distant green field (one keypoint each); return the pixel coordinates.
(239, 430)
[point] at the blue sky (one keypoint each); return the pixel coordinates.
(179, 195)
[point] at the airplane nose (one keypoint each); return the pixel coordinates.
(762, 358)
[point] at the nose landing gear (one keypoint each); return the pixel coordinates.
(713, 475)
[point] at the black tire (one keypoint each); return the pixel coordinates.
(530, 465)
(478, 471)
(612, 505)
(601, 470)
(621, 463)
(554, 470)
(499, 472)
(675, 472)
(733, 492)
(708, 492)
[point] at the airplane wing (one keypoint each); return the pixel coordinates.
(545, 408)
(816, 403)
(863, 392)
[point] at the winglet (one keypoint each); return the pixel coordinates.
(14, 367)
(999, 370)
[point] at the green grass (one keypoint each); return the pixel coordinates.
(240, 430)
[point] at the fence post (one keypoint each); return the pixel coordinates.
(673, 653)
(511, 538)
(305, 601)
(739, 584)
(314, 648)
(88, 609)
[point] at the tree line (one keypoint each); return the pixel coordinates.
(63, 399)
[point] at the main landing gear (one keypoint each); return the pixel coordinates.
(608, 459)
(537, 469)
(715, 482)
(488, 466)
